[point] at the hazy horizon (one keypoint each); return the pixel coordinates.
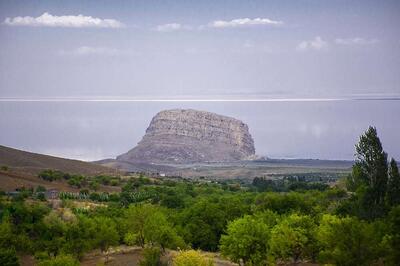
(98, 130)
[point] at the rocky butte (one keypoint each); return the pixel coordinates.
(190, 136)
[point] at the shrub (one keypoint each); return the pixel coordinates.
(61, 260)
(51, 175)
(130, 239)
(8, 257)
(151, 257)
(190, 258)
(114, 182)
(40, 196)
(94, 185)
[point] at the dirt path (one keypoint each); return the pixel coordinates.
(131, 256)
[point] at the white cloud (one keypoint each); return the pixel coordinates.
(172, 27)
(316, 44)
(71, 21)
(102, 51)
(243, 22)
(356, 41)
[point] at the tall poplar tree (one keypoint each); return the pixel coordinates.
(393, 190)
(371, 167)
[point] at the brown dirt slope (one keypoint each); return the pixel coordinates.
(34, 163)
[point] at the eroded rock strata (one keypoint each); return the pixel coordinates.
(188, 136)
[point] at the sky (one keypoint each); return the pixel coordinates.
(82, 79)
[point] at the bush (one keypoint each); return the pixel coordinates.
(40, 196)
(151, 257)
(61, 260)
(130, 239)
(94, 185)
(190, 258)
(114, 182)
(51, 175)
(77, 181)
(8, 257)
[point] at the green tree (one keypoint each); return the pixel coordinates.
(150, 225)
(203, 223)
(355, 179)
(79, 236)
(286, 203)
(136, 218)
(294, 239)
(347, 241)
(158, 231)
(247, 238)
(393, 192)
(370, 174)
(393, 238)
(52, 235)
(106, 234)
(173, 200)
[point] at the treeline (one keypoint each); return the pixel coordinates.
(254, 228)
(268, 238)
(284, 185)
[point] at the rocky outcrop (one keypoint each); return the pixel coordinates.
(188, 136)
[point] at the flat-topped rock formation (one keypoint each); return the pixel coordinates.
(189, 136)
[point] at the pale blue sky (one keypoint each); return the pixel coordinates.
(319, 47)
(200, 49)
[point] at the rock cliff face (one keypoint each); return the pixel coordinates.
(188, 136)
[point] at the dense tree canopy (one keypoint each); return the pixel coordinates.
(330, 225)
(347, 241)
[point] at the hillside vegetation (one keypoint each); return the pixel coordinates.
(255, 224)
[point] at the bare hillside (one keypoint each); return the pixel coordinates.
(34, 163)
